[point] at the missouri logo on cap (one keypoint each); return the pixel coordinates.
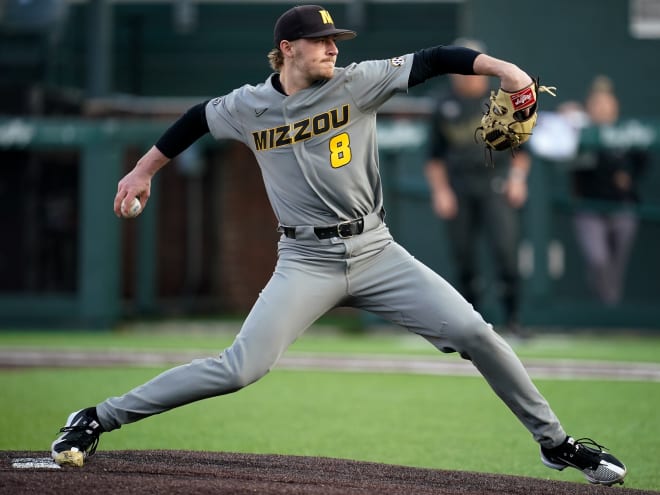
(308, 21)
(327, 19)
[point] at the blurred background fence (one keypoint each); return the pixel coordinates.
(87, 87)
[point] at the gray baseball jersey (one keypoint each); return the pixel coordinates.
(317, 149)
(318, 154)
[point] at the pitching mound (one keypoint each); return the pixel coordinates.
(182, 472)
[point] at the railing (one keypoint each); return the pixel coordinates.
(402, 137)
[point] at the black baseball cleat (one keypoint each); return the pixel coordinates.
(80, 436)
(597, 465)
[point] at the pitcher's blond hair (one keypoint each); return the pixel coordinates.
(276, 59)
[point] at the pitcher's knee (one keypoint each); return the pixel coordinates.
(245, 361)
(244, 374)
(471, 334)
(227, 373)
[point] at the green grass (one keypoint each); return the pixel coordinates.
(427, 421)
(593, 346)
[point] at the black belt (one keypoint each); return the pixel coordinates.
(343, 230)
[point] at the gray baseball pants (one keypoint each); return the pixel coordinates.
(368, 271)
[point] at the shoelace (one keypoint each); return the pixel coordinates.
(588, 450)
(82, 430)
(588, 442)
(550, 90)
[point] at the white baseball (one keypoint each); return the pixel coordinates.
(132, 210)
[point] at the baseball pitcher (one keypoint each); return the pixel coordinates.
(312, 128)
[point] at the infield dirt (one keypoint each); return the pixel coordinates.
(186, 472)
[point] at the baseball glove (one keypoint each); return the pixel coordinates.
(510, 117)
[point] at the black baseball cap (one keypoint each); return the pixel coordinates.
(308, 21)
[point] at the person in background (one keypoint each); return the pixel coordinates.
(474, 198)
(605, 189)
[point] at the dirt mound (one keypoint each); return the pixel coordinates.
(185, 472)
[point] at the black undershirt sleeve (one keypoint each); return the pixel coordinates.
(427, 63)
(191, 126)
(439, 60)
